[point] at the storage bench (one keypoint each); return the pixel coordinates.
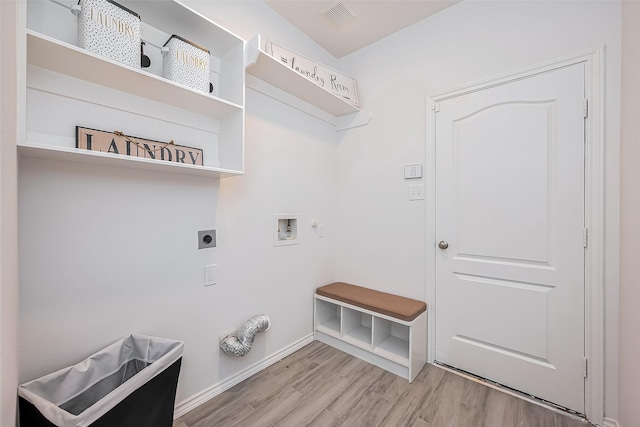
(386, 330)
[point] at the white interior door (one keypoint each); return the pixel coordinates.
(510, 206)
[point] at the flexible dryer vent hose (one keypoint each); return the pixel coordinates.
(239, 344)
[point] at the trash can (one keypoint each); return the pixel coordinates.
(131, 383)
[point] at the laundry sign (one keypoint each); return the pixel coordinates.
(331, 80)
(119, 143)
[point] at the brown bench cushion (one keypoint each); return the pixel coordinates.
(391, 305)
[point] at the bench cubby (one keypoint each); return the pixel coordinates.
(391, 343)
(356, 327)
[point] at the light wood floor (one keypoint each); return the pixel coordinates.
(321, 386)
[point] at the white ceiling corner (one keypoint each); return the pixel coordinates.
(375, 19)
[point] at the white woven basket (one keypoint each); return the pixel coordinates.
(109, 29)
(186, 63)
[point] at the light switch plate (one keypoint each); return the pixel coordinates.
(413, 171)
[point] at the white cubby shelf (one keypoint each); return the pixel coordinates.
(392, 344)
(67, 86)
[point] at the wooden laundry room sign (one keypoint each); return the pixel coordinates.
(119, 143)
(331, 80)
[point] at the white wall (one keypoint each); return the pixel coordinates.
(629, 393)
(381, 239)
(8, 215)
(105, 252)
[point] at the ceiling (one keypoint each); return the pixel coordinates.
(374, 19)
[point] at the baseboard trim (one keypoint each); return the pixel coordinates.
(609, 422)
(211, 392)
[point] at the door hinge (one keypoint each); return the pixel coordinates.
(585, 237)
(585, 108)
(436, 107)
(585, 367)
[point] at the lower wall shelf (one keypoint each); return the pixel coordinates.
(389, 343)
(98, 158)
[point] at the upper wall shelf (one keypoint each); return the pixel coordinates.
(46, 52)
(264, 66)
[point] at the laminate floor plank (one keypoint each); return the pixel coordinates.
(261, 393)
(447, 402)
(368, 410)
(315, 402)
(421, 423)
(437, 381)
(536, 416)
(292, 371)
(321, 354)
(501, 409)
(305, 351)
(471, 406)
(300, 360)
(314, 378)
(245, 386)
(324, 419)
(563, 420)
(320, 386)
(347, 399)
(354, 368)
(297, 374)
(226, 415)
(390, 386)
(414, 399)
(268, 415)
(209, 409)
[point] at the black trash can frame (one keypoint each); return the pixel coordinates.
(130, 383)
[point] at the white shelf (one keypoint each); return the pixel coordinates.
(331, 327)
(49, 152)
(81, 88)
(394, 348)
(60, 57)
(265, 67)
(395, 345)
(360, 336)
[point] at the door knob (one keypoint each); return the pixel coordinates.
(443, 244)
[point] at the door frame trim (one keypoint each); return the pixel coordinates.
(594, 210)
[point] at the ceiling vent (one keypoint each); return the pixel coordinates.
(338, 14)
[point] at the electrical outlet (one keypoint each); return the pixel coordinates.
(416, 192)
(206, 239)
(210, 274)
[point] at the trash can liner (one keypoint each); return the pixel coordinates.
(68, 397)
(97, 391)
